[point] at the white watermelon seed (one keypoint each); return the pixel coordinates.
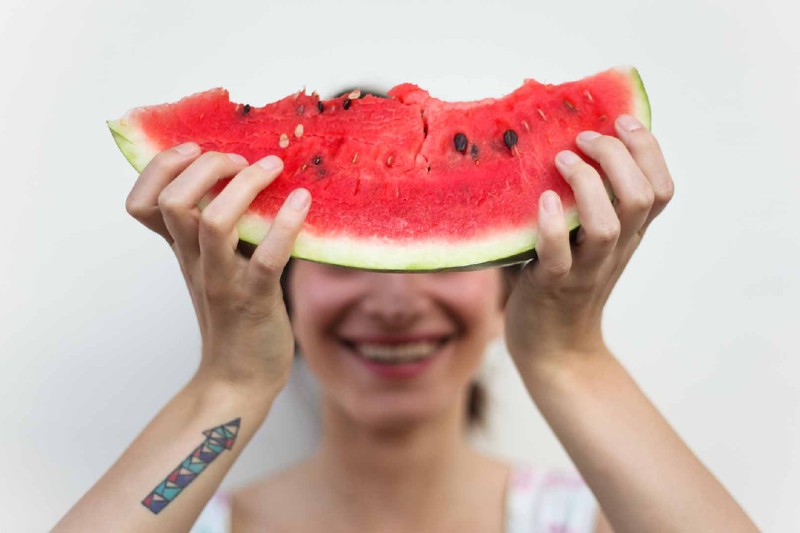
(284, 141)
(588, 95)
(525, 124)
(354, 94)
(298, 131)
(389, 161)
(541, 114)
(355, 158)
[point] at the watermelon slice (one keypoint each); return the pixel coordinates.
(405, 183)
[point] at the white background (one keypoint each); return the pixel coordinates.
(96, 328)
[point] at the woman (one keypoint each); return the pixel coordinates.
(393, 456)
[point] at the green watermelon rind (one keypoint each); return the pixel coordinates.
(502, 248)
(641, 103)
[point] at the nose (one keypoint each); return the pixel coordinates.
(394, 299)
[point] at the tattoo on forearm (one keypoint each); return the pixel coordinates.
(217, 439)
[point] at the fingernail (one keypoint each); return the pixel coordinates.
(187, 148)
(236, 158)
(629, 123)
(271, 162)
(567, 158)
(299, 199)
(551, 203)
(586, 136)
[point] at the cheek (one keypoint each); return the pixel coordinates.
(476, 300)
(318, 296)
(315, 312)
(318, 301)
(313, 307)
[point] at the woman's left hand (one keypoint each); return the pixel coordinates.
(555, 310)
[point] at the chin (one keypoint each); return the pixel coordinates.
(394, 411)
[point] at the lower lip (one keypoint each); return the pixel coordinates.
(403, 370)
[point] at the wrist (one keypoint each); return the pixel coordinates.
(222, 385)
(544, 368)
(242, 367)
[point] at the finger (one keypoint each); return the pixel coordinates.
(142, 201)
(647, 153)
(178, 201)
(634, 194)
(217, 235)
(554, 256)
(599, 223)
(271, 256)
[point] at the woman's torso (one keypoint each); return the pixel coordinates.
(536, 500)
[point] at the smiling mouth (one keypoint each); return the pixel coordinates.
(396, 353)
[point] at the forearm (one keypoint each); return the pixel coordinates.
(117, 502)
(643, 475)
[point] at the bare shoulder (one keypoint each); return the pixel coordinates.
(274, 502)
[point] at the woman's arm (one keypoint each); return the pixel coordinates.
(130, 495)
(643, 475)
(164, 479)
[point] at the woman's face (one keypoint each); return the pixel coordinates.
(391, 349)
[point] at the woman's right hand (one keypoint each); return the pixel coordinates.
(245, 330)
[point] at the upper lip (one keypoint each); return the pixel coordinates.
(396, 338)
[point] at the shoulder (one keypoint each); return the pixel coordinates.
(265, 505)
(548, 499)
(273, 500)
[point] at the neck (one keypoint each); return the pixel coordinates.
(411, 471)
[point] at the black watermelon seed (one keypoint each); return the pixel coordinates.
(246, 109)
(320, 106)
(346, 104)
(510, 138)
(474, 151)
(317, 160)
(569, 105)
(460, 142)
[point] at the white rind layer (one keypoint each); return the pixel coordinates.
(385, 254)
(135, 145)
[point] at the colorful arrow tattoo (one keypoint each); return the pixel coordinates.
(217, 439)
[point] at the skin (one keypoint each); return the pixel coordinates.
(393, 457)
(396, 448)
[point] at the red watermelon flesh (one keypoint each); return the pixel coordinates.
(408, 182)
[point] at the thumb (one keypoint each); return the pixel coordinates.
(270, 257)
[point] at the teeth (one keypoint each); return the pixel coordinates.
(412, 351)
